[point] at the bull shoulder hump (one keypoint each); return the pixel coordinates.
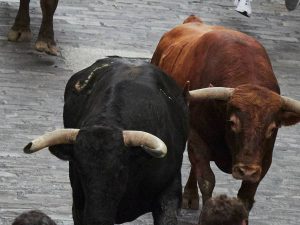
(80, 85)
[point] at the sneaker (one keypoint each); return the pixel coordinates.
(291, 4)
(236, 2)
(244, 7)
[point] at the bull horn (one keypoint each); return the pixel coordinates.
(60, 136)
(214, 93)
(150, 143)
(290, 104)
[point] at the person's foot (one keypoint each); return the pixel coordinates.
(291, 4)
(244, 7)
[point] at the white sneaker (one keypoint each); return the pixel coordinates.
(244, 7)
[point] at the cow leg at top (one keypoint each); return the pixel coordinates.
(20, 31)
(166, 208)
(45, 41)
(200, 159)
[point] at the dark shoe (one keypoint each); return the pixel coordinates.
(291, 4)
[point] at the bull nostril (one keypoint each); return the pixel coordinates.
(240, 171)
(247, 172)
(253, 172)
(256, 173)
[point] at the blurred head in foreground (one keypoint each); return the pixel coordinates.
(222, 210)
(33, 217)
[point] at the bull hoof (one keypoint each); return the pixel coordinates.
(190, 201)
(190, 204)
(19, 35)
(47, 47)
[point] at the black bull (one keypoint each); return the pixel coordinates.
(111, 181)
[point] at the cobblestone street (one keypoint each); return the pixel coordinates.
(32, 87)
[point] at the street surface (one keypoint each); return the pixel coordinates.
(32, 86)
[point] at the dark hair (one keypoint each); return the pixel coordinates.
(222, 210)
(33, 217)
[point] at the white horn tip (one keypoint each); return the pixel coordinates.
(162, 155)
(155, 153)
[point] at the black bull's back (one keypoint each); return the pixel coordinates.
(116, 94)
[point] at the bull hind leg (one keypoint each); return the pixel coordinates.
(20, 31)
(45, 42)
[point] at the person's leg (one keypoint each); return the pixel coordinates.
(291, 4)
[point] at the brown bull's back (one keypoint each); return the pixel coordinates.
(213, 55)
(237, 133)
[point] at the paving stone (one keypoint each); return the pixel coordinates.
(32, 86)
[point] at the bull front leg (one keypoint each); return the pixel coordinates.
(206, 181)
(77, 194)
(247, 190)
(200, 158)
(190, 198)
(20, 31)
(45, 41)
(166, 208)
(246, 194)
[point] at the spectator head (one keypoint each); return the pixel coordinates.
(222, 210)
(33, 217)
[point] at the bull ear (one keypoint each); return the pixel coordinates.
(289, 118)
(186, 91)
(63, 152)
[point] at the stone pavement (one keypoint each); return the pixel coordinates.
(32, 86)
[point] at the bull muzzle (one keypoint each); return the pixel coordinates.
(250, 173)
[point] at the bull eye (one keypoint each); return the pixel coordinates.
(234, 123)
(271, 129)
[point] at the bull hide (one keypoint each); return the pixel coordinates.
(237, 128)
(114, 180)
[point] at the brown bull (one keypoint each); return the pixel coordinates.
(20, 31)
(236, 128)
